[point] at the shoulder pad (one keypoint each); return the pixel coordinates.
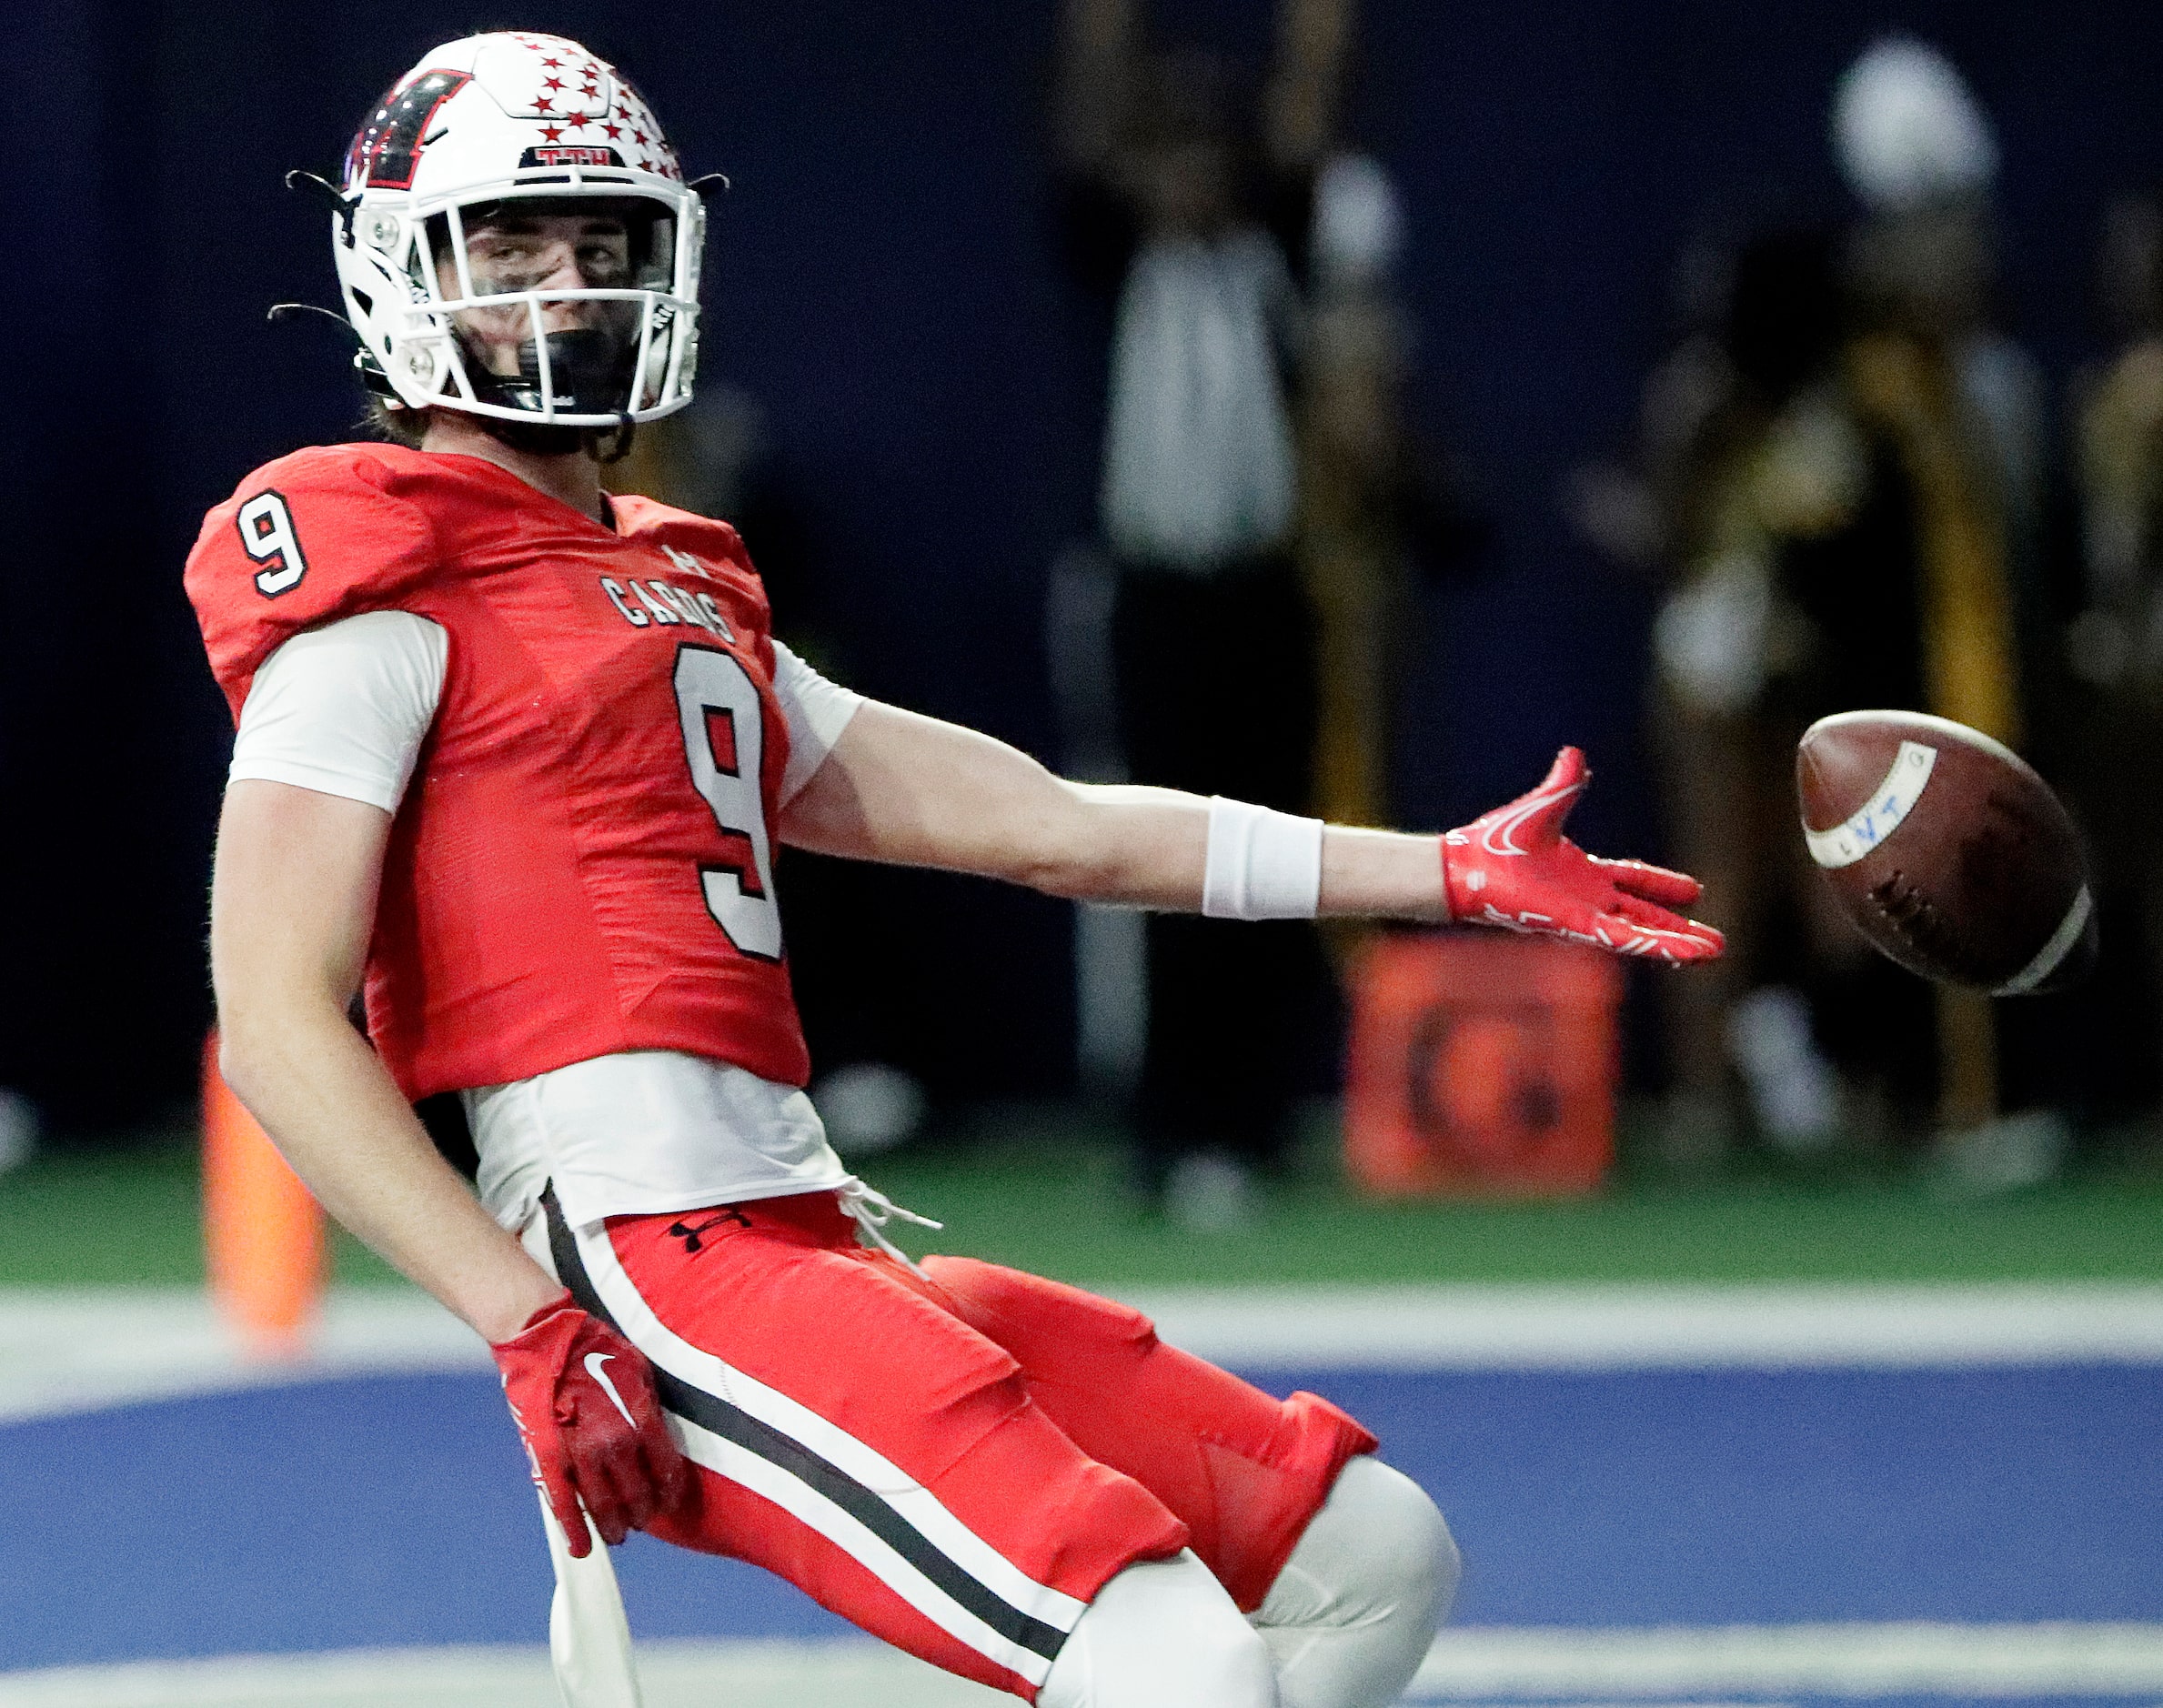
(311, 538)
(714, 547)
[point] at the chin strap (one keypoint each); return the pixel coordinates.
(620, 439)
(537, 438)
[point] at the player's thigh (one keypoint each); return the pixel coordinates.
(1242, 1469)
(855, 1436)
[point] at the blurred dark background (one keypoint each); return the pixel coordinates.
(884, 279)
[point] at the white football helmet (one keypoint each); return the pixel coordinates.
(593, 323)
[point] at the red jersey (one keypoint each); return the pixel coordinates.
(583, 863)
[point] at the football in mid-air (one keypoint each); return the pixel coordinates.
(1948, 850)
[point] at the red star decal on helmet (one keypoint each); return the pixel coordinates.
(550, 133)
(639, 136)
(614, 131)
(542, 104)
(552, 83)
(550, 65)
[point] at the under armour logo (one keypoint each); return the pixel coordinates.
(690, 565)
(692, 1244)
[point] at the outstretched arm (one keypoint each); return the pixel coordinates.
(910, 790)
(1306, 86)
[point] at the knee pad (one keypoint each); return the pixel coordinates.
(1162, 1633)
(1377, 1545)
(1351, 1615)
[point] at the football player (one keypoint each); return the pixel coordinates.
(514, 756)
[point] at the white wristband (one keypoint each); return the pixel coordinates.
(1261, 864)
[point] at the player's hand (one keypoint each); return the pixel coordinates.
(584, 1402)
(1515, 869)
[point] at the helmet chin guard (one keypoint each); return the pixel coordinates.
(527, 134)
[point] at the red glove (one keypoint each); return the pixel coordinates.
(584, 1403)
(1517, 869)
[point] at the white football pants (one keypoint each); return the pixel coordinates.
(1345, 1624)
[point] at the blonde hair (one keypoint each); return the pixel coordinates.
(400, 426)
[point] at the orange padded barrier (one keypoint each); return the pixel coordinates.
(1481, 1063)
(263, 1233)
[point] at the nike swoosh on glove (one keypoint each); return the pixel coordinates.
(584, 1403)
(1515, 869)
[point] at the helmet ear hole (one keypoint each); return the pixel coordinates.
(367, 302)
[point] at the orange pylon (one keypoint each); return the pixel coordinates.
(264, 1248)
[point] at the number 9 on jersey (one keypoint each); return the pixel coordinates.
(267, 535)
(709, 685)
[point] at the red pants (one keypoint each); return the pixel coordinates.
(956, 1465)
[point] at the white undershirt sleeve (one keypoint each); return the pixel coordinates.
(343, 709)
(816, 709)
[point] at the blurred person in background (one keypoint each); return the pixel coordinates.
(2115, 645)
(1751, 474)
(1193, 216)
(1959, 408)
(1845, 480)
(1381, 506)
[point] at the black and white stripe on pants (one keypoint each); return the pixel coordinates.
(740, 1428)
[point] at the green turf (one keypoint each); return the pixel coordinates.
(1062, 1213)
(80, 1218)
(123, 1216)
(1045, 1194)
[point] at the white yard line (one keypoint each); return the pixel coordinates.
(1589, 1669)
(83, 1348)
(74, 1350)
(1832, 1659)
(744, 1674)
(1663, 1327)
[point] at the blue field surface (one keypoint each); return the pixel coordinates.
(1733, 1497)
(395, 1510)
